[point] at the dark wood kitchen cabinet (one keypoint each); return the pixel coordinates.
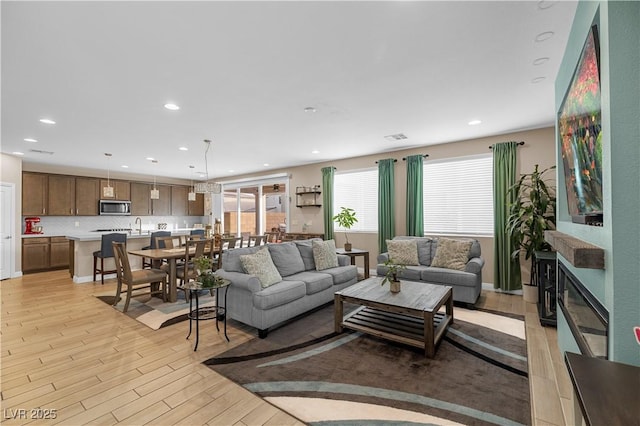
(62, 195)
(34, 194)
(140, 199)
(121, 190)
(35, 254)
(179, 201)
(87, 196)
(162, 206)
(196, 208)
(58, 253)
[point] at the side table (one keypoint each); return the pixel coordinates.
(353, 254)
(216, 312)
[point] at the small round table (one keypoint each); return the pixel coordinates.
(216, 312)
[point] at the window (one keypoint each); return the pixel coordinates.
(357, 190)
(458, 196)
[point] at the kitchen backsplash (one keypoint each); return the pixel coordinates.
(64, 225)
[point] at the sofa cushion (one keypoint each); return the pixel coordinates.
(231, 258)
(306, 252)
(424, 244)
(286, 257)
(343, 274)
(403, 252)
(261, 265)
(314, 281)
(279, 294)
(452, 254)
(324, 254)
(448, 277)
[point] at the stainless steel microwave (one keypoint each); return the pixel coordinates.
(115, 208)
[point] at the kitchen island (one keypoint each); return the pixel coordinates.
(82, 245)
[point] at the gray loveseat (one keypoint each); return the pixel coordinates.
(302, 287)
(466, 283)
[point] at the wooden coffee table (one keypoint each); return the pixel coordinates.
(411, 316)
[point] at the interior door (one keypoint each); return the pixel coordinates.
(7, 240)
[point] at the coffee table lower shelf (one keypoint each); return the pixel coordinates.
(396, 327)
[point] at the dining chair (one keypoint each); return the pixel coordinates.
(153, 244)
(106, 252)
(232, 242)
(197, 232)
(136, 280)
(256, 240)
(272, 237)
(187, 271)
(167, 242)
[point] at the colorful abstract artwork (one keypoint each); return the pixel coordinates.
(580, 128)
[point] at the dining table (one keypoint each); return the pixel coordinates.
(171, 255)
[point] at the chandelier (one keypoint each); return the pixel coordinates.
(204, 187)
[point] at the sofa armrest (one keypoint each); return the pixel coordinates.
(474, 265)
(383, 257)
(244, 281)
(344, 260)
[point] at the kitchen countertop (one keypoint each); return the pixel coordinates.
(97, 236)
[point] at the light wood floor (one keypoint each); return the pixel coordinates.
(64, 350)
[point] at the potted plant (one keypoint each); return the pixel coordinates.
(393, 269)
(346, 218)
(532, 213)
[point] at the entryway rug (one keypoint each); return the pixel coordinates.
(478, 376)
(153, 312)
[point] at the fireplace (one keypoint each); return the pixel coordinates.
(587, 317)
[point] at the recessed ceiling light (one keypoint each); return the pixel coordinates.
(266, 164)
(124, 166)
(540, 61)
(183, 148)
(537, 80)
(544, 36)
(231, 171)
(30, 140)
(315, 151)
(474, 122)
(150, 158)
(47, 121)
(310, 109)
(17, 153)
(172, 107)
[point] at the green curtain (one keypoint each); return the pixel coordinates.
(386, 217)
(415, 209)
(506, 270)
(327, 201)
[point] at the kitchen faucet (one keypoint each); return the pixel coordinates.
(140, 227)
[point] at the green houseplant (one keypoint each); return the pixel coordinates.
(346, 219)
(391, 276)
(532, 213)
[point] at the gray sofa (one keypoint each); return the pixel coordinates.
(466, 284)
(302, 287)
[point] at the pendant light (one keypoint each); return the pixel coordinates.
(155, 194)
(204, 187)
(107, 191)
(192, 190)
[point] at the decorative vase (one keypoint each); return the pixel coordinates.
(394, 286)
(347, 246)
(530, 293)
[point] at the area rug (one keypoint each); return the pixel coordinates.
(477, 377)
(153, 312)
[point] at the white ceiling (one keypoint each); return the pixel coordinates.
(243, 72)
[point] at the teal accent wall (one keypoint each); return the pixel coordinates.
(618, 285)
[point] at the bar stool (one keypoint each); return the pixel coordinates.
(106, 252)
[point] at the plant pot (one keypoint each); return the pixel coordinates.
(530, 293)
(394, 286)
(347, 246)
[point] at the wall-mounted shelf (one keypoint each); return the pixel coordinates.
(308, 197)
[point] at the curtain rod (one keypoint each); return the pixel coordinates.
(423, 155)
(394, 160)
(519, 143)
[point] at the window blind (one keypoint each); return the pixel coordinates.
(357, 190)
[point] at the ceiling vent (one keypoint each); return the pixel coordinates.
(396, 137)
(40, 151)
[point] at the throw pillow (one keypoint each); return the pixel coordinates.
(452, 254)
(324, 254)
(261, 265)
(403, 252)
